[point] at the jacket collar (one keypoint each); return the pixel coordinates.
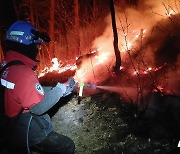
(13, 55)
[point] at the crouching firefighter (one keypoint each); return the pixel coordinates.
(28, 124)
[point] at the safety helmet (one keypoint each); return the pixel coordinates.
(23, 32)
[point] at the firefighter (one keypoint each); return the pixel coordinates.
(26, 105)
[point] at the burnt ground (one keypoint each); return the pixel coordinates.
(104, 124)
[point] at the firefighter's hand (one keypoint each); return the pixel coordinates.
(70, 87)
(68, 91)
(63, 87)
(71, 82)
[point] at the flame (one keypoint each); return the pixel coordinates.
(133, 36)
(91, 65)
(169, 13)
(127, 42)
(81, 74)
(57, 66)
(102, 57)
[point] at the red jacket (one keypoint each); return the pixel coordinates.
(26, 90)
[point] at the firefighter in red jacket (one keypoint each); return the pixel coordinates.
(26, 105)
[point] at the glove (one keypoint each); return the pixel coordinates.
(70, 87)
(71, 82)
(63, 87)
(68, 91)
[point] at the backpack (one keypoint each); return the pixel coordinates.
(3, 117)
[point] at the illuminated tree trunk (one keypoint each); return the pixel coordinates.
(31, 11)
(51, 29)
(94, 17)
(116, 49)
(76, 27)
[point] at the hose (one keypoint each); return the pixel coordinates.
(27, 135)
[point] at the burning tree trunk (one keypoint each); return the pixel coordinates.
(76, 27)
(116, 49)
(51, 29)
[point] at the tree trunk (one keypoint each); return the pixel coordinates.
(31, 12)
(51, 29)
(1, 54)
(76, 28)
(94, 17)
(116, 49)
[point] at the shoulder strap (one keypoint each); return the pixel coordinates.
(14, 62)
(2, 112)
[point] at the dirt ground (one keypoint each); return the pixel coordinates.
(104, 124)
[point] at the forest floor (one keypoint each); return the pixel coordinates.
(104, 124)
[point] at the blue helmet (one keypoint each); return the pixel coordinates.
(23, 32)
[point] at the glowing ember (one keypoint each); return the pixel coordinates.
(150, 69)
(135, 72)
(160, 88)
(145, 72)
(121, 68)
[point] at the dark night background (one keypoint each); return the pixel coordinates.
(7, 14)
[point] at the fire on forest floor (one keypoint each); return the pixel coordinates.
(104, 124)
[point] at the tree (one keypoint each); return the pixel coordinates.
(51, 29)
(115, 43)
(1, 54)
(76, 28)
(31, 11)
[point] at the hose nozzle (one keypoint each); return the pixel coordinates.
(90, 85)
(82, 85)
